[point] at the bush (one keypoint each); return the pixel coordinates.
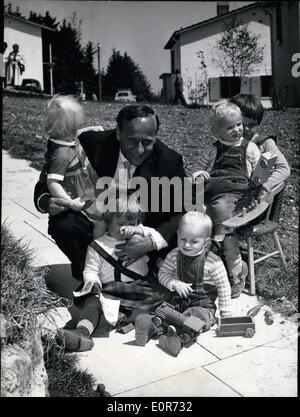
(24, 294)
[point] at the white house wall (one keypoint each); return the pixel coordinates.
(204, 38)
(29, 39)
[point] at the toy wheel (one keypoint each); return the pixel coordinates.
(249, 332)
(156, 321)
(173, 345)
(171, 331)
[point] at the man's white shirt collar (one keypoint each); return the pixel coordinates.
(123, 159)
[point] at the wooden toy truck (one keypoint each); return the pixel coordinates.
(236, 326)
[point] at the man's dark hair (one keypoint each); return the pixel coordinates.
(132, 111)
(177, 71)
(250, 106)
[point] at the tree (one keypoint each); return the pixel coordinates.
(46, 20)
(8, 9)
(68, 56)
(48, 37)
(89, 78)
(198, 94)
(123, 73)
(238, 49)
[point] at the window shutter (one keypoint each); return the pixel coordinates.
(214, 89)
(245, 85)
(255, 83)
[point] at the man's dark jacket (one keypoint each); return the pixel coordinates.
(102, 150)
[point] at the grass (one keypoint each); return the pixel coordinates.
(186, 131)
(65, 378)
(24, 296)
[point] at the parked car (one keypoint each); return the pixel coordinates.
(30, 84)
(125, 96)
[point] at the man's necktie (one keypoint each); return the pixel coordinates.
(127, 167)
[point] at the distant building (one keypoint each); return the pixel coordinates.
(185, 44)
(285, 42)
(277, 23)
(28, 35)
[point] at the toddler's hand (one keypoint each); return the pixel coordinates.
(128, 231)
(262, 192)
(77, 204)
(182, 288)
(225, 314)
(203, 174)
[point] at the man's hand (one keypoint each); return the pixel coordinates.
(57, 205)
(134, 249)
(182, 288)
(203, 174)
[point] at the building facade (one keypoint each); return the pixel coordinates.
(28, 36)
(285, 43)
(193, 51)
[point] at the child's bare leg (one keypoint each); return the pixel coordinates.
(237, 268)
(232, 256)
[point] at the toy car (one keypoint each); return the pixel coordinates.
(125, 96)
(236, 326)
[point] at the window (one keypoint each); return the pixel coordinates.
(266, 86)
(222, 7)
(172, 62)
(230, 86)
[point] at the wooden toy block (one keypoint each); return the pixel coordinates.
(264, 168)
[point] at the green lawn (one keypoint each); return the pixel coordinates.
(186, 131)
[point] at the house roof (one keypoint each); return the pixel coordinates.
(21, 19)
(176, 34)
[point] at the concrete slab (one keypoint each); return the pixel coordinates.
(267, 371)
(194, 383)
(122, 365)
(21, 229)
(12, 211)
(224, 347)
(40, 225)
(18, 178)
(49, 254)
(28, 205)
(55, 319)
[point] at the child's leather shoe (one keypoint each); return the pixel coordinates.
(78, 340)
(144, 329)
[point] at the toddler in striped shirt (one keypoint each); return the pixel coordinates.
(194, 274)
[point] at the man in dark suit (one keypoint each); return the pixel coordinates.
(133, 141)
